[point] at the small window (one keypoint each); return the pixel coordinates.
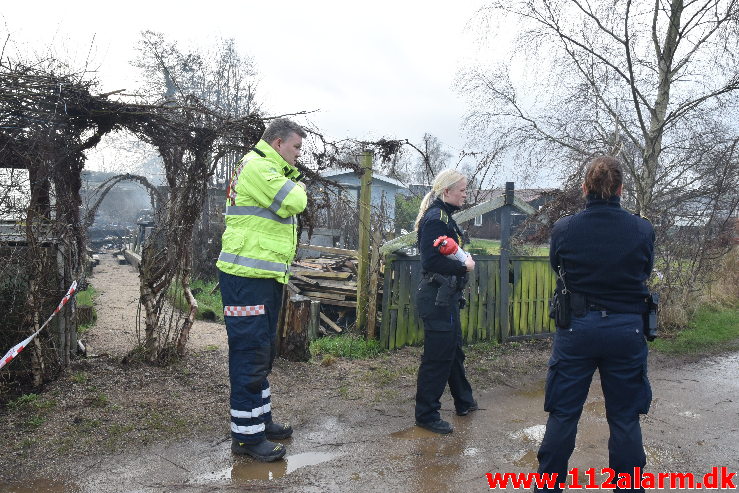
(478, 220)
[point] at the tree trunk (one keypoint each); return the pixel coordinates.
(293, 334)
(187, 325)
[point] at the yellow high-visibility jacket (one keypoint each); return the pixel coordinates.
(261, 224)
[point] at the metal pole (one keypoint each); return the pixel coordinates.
(365, 195)
(505, 264)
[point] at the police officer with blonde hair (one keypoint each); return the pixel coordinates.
(438, 302)
(263, 199)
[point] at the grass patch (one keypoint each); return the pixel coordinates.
(346, 346)
(483, 347)
(33, 422)
(79, 377)
(711, 329)
(210, 306)
(87, 296)
(481, 246)
(31, 401)
(100, 400)
(86, 303)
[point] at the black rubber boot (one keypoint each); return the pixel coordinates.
(473, 407)
(441, 427)
(277, 431)
(264, 451)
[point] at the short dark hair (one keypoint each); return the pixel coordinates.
(281, 128)
(603, 177)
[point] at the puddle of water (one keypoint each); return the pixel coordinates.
(596, 408)
(471, 452)
(690, 414)
(536, 393)
(656, 456)
(532, 434)
(38, 486)
(329, 429)
(413, 433)
(527, 460)
(249, 470)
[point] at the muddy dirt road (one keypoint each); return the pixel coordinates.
(353, 434)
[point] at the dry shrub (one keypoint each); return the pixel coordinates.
(724, 291)
(675, 315)
(721, 289)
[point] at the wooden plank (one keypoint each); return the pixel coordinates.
(330, 323)
(482, 299)
(472, 308)
(310, 265)
(304, 279)
(417, 322)
(532, 296)
(524, 313)
(330, 296)
(325, 289)
(402, 329)
(327, 301)
(393, 328)
(496, 303)
(464, 317)
(320, 274)
(396, 303)
(327, 249)
(385, 320)
(541, 293)
(515, 299)
(345, 285)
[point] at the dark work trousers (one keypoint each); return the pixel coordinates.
(614, 344)
(442, 362)
(250, 307)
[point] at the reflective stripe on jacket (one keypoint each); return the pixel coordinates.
(261, 208)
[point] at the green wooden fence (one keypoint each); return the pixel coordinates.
(531, 286)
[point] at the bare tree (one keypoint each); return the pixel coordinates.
(222, 78)
(611, 75)
(654, 83)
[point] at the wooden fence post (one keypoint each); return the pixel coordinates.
(505, 264)
(365, 195)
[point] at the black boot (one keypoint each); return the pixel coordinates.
(465, 412)
(277, 431)
(441, 427)
(264, 451)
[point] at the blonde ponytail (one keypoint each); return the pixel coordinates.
(445, 179)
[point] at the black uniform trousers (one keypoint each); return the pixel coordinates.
(442, 361)
(251, 307)
(614, 344)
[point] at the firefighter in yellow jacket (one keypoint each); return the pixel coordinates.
(263, 201)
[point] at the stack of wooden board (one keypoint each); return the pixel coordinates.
(331, 281)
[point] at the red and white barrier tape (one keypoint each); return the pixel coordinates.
(13, 352)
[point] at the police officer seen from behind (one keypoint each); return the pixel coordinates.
(262, 202)
(604, 256)
(437, 303)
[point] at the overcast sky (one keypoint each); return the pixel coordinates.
(375, 69)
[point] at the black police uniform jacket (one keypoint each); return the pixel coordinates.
(606, 253)
(437, 221)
